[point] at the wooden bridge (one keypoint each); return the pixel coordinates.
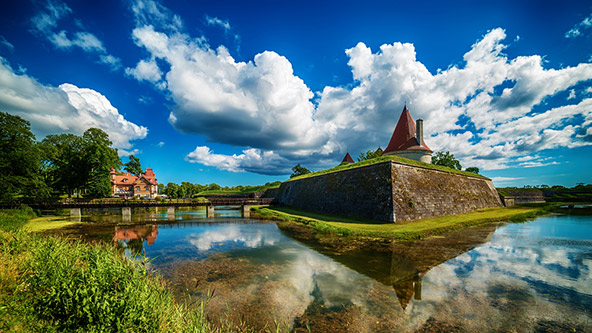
(126, 205)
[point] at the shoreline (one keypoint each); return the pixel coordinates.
(334, 229)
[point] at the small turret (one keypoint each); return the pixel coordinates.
(347, 159)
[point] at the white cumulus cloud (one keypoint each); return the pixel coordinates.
(251, 160)
(145, 70)
(488, 110)
(67, 108)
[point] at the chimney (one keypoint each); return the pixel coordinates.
(419, 131)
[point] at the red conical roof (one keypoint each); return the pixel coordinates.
(404, 135)
(348, 159)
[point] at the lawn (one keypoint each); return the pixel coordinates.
(406, 230)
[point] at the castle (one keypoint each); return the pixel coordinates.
(392, 190)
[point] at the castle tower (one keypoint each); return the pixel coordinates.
(407, 140)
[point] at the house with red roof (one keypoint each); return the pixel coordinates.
(126, 185)
(407, 140)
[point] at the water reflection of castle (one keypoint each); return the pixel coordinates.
(404, 265)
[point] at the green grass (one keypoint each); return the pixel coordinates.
(50, 284)
(407, 230)
(382, 159)
(39, 224)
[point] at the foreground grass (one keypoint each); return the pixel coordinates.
(407, 230)
(50, 284)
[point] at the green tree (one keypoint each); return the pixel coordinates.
(199, 188)
(172, 190)
(79, 164)
(446, 159)
(100, 158)
(19, 161)
(133, 166)
(370, 154)
(213, 187)
(188, 189)
(161, 188)
(472, 169)
(65, 164)
(299, 170)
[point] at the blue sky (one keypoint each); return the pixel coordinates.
(236, 92)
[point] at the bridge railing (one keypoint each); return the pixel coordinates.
(106, 203)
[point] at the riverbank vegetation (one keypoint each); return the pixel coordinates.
(50, 284)
(579, 193)
(327, 224)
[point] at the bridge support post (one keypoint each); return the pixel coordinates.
(245, 211)
(126, 211)
(75, 215)
(210, 211)
(417, 287)
(126, 214)
(171, 211)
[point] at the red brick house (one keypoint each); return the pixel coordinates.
(126, 185)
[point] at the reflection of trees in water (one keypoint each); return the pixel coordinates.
(135, 245)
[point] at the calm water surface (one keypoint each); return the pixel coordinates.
(534, 276)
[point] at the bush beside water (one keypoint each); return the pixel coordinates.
(51, 284)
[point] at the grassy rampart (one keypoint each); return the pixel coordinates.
(402, 231)
(50, 284)
(382, 159)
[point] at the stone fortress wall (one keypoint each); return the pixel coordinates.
(389, 192)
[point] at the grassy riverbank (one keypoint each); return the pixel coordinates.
(402, 231)
(51, 284)
(38, 224)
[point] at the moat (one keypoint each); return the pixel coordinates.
(527, 276)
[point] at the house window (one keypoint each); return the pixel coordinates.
(137, 188)
(147, 188)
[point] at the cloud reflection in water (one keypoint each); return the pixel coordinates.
(238, 234)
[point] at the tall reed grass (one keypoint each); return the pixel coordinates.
(52, 284)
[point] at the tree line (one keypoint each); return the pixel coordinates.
(59, 164)
(187, 189)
